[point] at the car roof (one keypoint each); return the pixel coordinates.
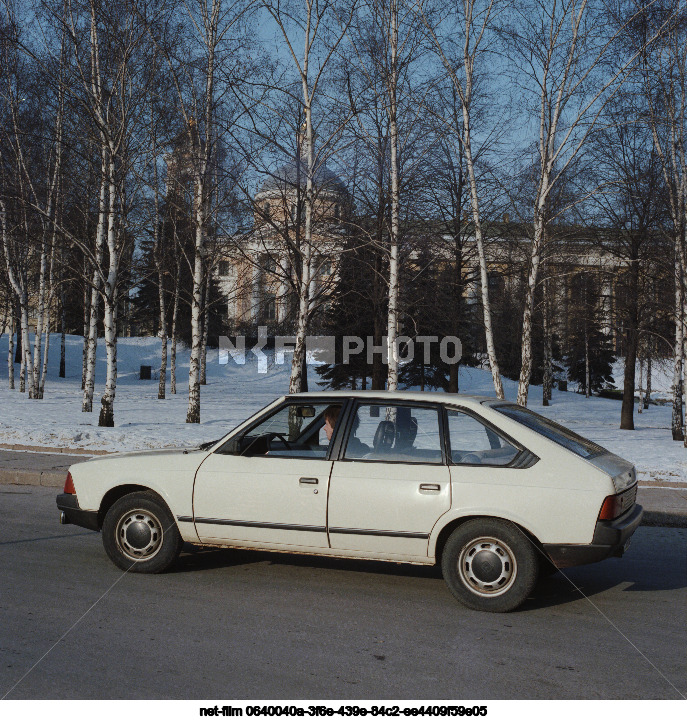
(426, 396)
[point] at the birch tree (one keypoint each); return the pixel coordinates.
(474, 20)
(210, 25)
(664, 73)
(108, 61)
(320, 27)
(560, 53)
(17, 244)
(388, 106)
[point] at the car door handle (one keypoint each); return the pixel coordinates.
(308, 481)
(430, 487)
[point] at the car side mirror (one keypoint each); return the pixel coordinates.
(305, 411)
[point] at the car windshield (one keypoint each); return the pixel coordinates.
(551, 430)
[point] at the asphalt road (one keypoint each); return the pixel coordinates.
(240, 625)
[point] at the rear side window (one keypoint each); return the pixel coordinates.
(474, 444)
(395, 433)
(553, 431)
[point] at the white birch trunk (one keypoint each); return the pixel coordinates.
(10, 353)
(392, 317)
(163, 351)
(173, 349)
(63, 321)
(86, 326)
(46, 319)
(547, 380)
(587, 375)
(201, 168)
(26, 374)
(89, 379)
(206, 324)
(40, 315)
(18, 282)
(106, 417)
(676, 420)
(302, 318)
(535, 257)
(193, 412)
(649, 362)
(683, 416)
(22, 374)
(472, 41)
(484, 277)
(640, 406)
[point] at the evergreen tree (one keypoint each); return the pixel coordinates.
(589, 349)
(349, 315)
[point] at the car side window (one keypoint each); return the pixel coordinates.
(473, 443)
(297, 430)
(394, 433)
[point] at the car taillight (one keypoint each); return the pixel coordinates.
(610, 508)
(69, 484)
(614, 506)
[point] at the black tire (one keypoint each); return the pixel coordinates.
(140, 534)
(490, 565)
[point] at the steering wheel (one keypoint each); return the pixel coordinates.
(281, 437)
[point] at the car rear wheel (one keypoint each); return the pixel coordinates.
(490, 565)
(140, 534)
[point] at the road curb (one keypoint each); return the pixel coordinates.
(664, 519)
(50, 479)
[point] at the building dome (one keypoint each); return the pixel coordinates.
(293, 174)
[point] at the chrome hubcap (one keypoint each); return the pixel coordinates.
(139, 535)
(487, 566)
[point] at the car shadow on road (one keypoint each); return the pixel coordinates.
(660, 568)
(666, 571)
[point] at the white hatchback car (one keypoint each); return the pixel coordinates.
(495, 493)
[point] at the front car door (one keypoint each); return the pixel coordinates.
(391, 483)
(268, 486)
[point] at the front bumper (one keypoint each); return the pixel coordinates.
(68, 503)
(610, 539)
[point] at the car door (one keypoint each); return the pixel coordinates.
(269, 486)
(391, 483)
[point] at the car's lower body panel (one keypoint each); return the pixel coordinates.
(610, 539)
(68, 504)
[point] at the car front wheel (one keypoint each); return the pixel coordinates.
(490, 565)
(140, 534)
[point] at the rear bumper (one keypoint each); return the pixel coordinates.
(68, 503)
(610, 539)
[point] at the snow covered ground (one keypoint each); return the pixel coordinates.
(233, 392)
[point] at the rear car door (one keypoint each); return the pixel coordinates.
(391, 483)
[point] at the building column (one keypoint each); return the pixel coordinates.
(255, 294)
(607, 307)
(282, 301)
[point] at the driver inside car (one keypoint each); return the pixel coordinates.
(355, 448)
(331, 416)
